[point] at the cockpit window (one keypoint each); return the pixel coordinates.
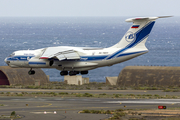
(11, 55)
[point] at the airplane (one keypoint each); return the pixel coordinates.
(78, 60)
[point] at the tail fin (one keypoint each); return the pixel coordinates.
(138, 32)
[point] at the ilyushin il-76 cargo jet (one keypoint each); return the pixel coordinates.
(78, 60)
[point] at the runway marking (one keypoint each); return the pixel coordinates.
(76, 108)
(49, 104)
(43, 112)
(164, 101)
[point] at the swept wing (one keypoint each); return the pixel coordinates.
(60, 53)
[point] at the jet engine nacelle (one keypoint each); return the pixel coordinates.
(40, 63)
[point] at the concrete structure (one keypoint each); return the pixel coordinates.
(75, 80)
(85, 80)
(149, 75)
(20, 76)
(111, 80)
(47, 77)
(37, 83)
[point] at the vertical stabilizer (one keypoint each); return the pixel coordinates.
(138, 33)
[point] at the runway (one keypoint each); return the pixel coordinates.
(58, 108)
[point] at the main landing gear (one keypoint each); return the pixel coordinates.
(71, 73)
(31, 72)
(62, 73)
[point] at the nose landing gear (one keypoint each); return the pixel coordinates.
(31, 72)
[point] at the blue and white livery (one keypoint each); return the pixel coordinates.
(75, 60)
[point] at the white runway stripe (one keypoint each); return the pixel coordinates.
(44, 112)
(160, 101)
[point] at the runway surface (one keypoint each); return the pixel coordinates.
(58, 108)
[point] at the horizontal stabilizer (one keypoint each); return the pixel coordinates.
(145, 18)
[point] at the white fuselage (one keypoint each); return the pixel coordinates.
(92, 59)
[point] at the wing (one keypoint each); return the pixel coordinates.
(60, 53)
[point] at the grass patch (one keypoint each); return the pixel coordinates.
(13, 113)
(93, 86)
(97, 111)
(117, 114)
(103, 95)
(63, 93)
(133, 114)
(87, 95)
(172, 118)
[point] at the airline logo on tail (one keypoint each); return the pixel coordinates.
(130, 36)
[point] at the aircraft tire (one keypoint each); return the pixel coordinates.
(71, 73)
(84, 72)
(31, 72)
(62, 73)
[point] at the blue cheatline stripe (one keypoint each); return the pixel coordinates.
(125, 54)
(140, 34)
(137, 43)
(98, 58)
(20, 58)
(116, 53)
(95, 57)
(144, 33)
(37, 63)
(101, 57)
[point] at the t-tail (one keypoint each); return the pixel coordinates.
(136, 36)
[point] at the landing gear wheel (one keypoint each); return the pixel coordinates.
(31, 72)
(84, 72)
(71, 73)
(62, 73)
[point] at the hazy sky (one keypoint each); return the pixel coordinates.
(89, 7)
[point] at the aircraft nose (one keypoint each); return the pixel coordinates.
(7, 62)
